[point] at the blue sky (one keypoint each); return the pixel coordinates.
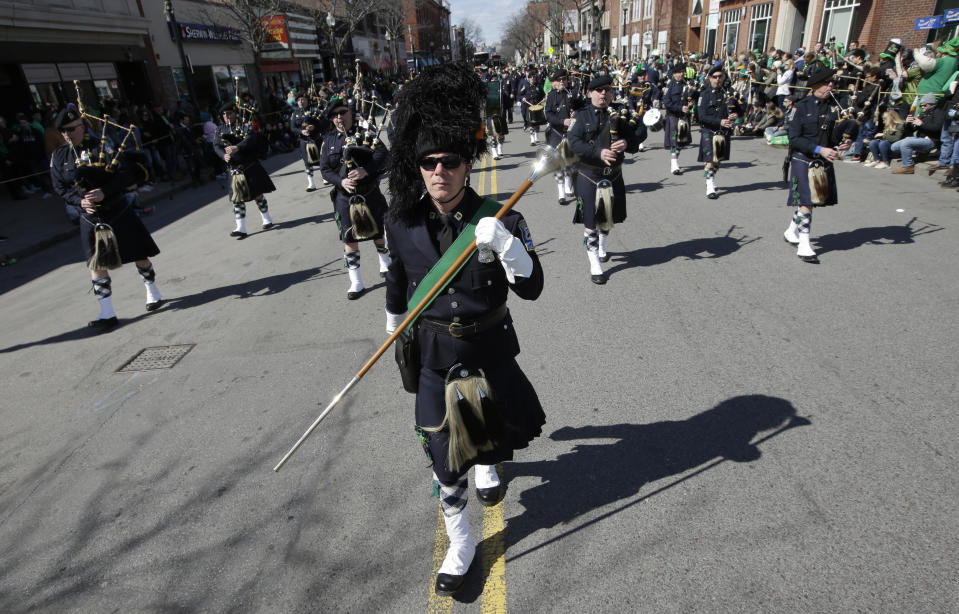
(490, 15)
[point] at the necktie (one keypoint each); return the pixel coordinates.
(447, 233)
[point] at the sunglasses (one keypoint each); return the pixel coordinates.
(67, 130)
(449, 162)
(341, 112)
(601, 89)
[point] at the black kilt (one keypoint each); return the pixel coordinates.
(514, 396)
(341, 212)
(258, 180)
(706, 145)
(669, 133)
(585, 212)
(133, 238)
(799, 194)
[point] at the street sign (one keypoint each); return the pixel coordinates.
(929, 23)
(951, 15)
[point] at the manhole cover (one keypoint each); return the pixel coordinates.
(163, 357)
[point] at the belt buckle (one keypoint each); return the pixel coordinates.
(607, 170)
(456, 329)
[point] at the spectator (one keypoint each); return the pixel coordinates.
(784, 79)
(881, 145)
(30, 158)
(927, 126)
(781, 128)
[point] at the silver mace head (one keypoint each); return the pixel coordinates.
(551, 160)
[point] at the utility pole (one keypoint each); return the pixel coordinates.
(187, 69)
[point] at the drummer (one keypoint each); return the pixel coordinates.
(497, 102)
(530, 93)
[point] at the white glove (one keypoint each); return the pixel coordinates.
(490, 232)
(393, 320)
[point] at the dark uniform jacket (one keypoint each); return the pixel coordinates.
(712, 108)
(814, 125)
(589, 135)
(333, 166)
(557, 109)
(300, 118)
(250, 147)
(673, 100)
(477, 289)
(63, 175)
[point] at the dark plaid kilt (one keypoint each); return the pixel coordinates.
(799, 194)
(706, 145)
(516, 399)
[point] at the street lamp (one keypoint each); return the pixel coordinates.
(389, 42)
(331, 21)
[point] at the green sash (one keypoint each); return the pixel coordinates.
(464, 241)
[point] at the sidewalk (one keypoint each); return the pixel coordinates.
(36, 223)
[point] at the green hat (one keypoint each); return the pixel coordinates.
(950, 47)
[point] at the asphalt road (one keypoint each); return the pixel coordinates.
(729, 429)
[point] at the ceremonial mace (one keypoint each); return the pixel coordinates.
(549, 162)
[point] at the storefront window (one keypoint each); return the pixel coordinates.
(731, 20)
(839, 19)
(107, 89)
(759, 25)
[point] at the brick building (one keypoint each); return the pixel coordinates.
(632, 29)
(427, 23)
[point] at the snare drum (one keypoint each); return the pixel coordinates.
(537, 114)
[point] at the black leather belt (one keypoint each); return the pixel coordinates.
(465, 329)
(601, 170)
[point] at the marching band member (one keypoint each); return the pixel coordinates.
(715, 121)
(358, 205)
(241, 147)
(306, 122)
(816, 137)
(467, 343)
(599, 184)
(559, 116)
(677, 108)
(105, 203)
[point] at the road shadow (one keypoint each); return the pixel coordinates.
(693, 249)
(646, 187)
(875, 235)
(264, 286)
(580, 481)
(753, 187)
(77, 334)
(302, 221)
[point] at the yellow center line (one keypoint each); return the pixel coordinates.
(493, 551)
(494, 560)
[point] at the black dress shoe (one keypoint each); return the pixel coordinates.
(604, 258)
(810, 259)
(446, 584)
(268, 226)
(155, 305)
(677, 172)
(238, 234)
(488, 497)
(712, 195)
(598, 279)
(102, 325)
(352, 296)
(311, 189)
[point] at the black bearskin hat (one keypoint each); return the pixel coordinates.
(439, 110)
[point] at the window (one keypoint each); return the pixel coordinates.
(697, 7)
(759, 25)
(647, 9)
(838, 21)
(731, 19)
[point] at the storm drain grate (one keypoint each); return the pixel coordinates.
(163, 357)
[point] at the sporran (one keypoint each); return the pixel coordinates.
(475, 422)
(106, 249)
(818, 182)
(604, 205)
(240, 187)
(361, 218)
(312, 153)
(720, 148)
